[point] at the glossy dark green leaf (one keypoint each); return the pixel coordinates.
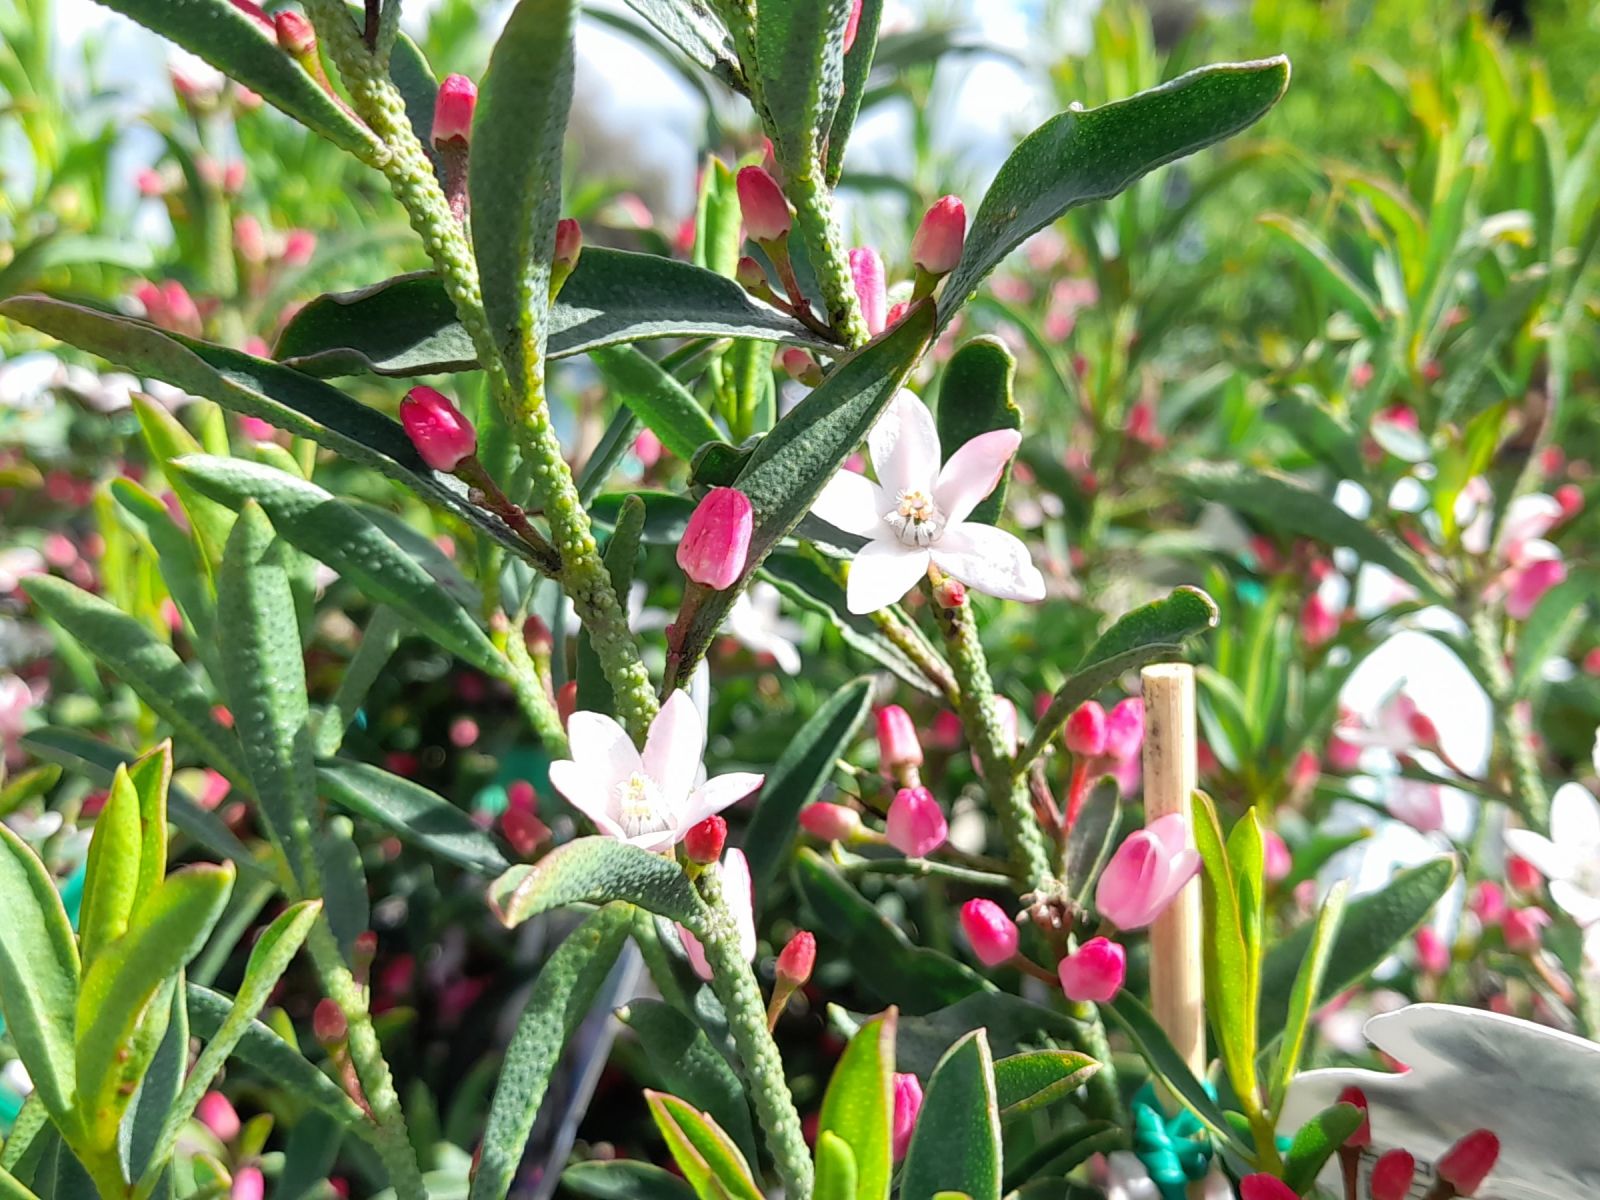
(1084, 155)
(797, 778)
(514, 178)
(800, 61)
(1013, 1024)
(858, 1108)
(659, 401)
(1373, 926)
(684, 1060)
(694, 28)
(1025, 1082)
(704, 1153)
(955, 1146)
(857, 67)
(1315, 1142)
(624, 1179)
(1094, 838)
(975, 398)
(591, 870)
(410, 811)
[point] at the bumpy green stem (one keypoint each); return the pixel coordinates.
(813, 212)
(533, 697)
(401, 158)
(735, 986)
(1512, 731)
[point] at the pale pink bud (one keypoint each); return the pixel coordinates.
(866, 271)
(830, 822)
(1150, 867)
(452, 110)
(761, 200)
(750, 275)
(233, 178)
(1319, 624)
(916, 825)
(797, 960)
(182, 313)
(1392, 1175)
(298, 247)
(328, 1023)
(936, 248)
(991, 934)
(1265, 1187)
(947, 733)
(294, 33)
(1303, 772)
(463, 732)
(248, 1184)
(1279, 862)
(1361, 374)
(647, 449)
(1094, 971)
(798, 365)
(1466, 1164)
(1488, 902)
(1433, 956)
(897, 740)
(852, 23)
(703, 843)
(1530, 585)
(907, 1104)
(716, 544)
(1343, 754)
(1085, 731)
(569, 242)
(1522, 874)
(249, 240)
(1362, 1137)
(441, 433)
(217, 1114)
(150, 182)
(1522, 928)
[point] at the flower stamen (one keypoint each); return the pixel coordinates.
(915, 519)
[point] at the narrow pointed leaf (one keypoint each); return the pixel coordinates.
(1307, 985)
(836, 1169)
(111, 872)
(685, 1061)
(412, 812)
(694, 28)
(800, 60)
(624, 1179)
(858, 1108)
(975, 398)
(661, 403)
(704, 1153)
(152, 1106)
(1025, 1082)
(1227, 955)
(591, 870)
(857, 68)
(956, 1143)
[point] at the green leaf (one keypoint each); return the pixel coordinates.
(956, 1143)
(562, 996)
(158, 1092)
(662, 403)
(624, 1179)
(1247, 852)
(1094, 838)
(1288, 506)
(412, 812)
(333, 532)
(111, 871)
(167, 439)
(12, 1189)
(1315, 1142)
(693, 27)
(1551, 626)
(38, 973)
(1147, 634)
(1011, 1022)
(836, 1169)
(169, 930)
(1079, 156)
(707, 1157)
(1307, 985)
(975, 398)
(887, 963)
(177, 558)
(1373, 926)
(346, 905)
(858, 1109)
(1025, 1082)
(1330, 276)
(150, 667)
(514, 178)
(857, 67)
(685, 1061)
(592, 870)
(407, 325)
(797, 778)
(265, 681)
(1228, 972)
(621, 556)
(800, 61)
(255, 387)
(248, 53)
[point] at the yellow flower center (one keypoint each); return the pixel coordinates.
(915, 518)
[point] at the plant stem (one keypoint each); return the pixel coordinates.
(1512, 731)
(813, 210)
(533, 696)
(735, 986)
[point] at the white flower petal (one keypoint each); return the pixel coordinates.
(882, 572)
(740, 890)
(1575, 902)
(601, 746)
(1575, 817)
(1554, 861)
(714, 795)
(587, 792)
(972, 473)
(674, 747)
(851, 502)
(904, 445)
(990, 560)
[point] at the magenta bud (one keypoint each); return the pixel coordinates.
(1433, 956)
(1125, 729)
(1094, 971)
(761, 200)
(1148, 870)
(1392, 1175)
(907, 1104)
(852, 23)
(1466, 1164)
(217, 1114)
(991, 934)
(1531, 583)
(703, 843)
(248, 1184)
(1265, 1187)
(716, 544)
(936, 248)
(830, 822)
(1488, 902)
(797, 960)
(897, 740)
(437, 428)
(1319, 624)
(294, 33)
(1523, 929)
(866, 271)
(524, 830)
(1085, 732)
(452, 110)
(1356, 1098)
(916, 825)
(569, 243)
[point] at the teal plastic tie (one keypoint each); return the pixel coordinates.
(1175, 1150)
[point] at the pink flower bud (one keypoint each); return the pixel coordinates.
(1531, 583)
(761, 200)
(749, 274)
(991, 934)
(522, 796)
(1343, 754)
(1085, 731)
(437, 428)
(798, 365)
(897, 740)
(233, 178)
(1522, 927)
(567, 700)
(830, 822)
(569, 243)
(1433, 956)
(255, 12)
(946, 733)
(916, 825)
(1522, 875)
(896, 310)
(1147, 871)
(703, 843)
(452, 110)
(248, 1184)
(936, 248)
(294, 33)
(1125, 729)
(217, 1114)
(1279, 862)
(716, 544)
(1392, 1175)
(1265, 1187)
(328, 1023)
(1319, 624)
(866, 270)
(1466, 1164)
(182, 313)
(852, 23)
(1094, 971)
(1570, 497)
(249, 240)
(463, 732)
(797, 959)
(298, 247)
(647, 449)
(1363, 1134)
(1303, 772)
(150, 182)
(907, 1104)
(1361, 374)
(1488, 902)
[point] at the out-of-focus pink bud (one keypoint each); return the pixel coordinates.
(830, 822)
(946, 732)
(898, 746)
(703, 843)
(522, 796)
(233, 176)
(761, 200)
(1432, 371)
(525, 831)
(1433, 956)
(298, 247)
(750, 275)
(797, 960)
(916, 826)
(255, 12)
(1530, 583)
(647, 449)
(150, 182)
(1343, 754)
(1319, 624)
(567, 700)
(1488, 902)
(897, 310)
(1094, 971)
(1265, 1187)
(1419, 805)
(441, 433)
(328, 1023)
(1570, 497)
(907, 1104)
(294, 33)
(1523, 929)
(866, 271)
(248, 1184)
(453, 109)
(1085, 730)
(1279, 862)
(800, 366)
(1361, 374)
(991, 934)
(936, 247)
(182, 313)
(716, 544)
(463, 732)
(217, 1114)
(1362, 1137)
(249, 240)
(1304, 771)
(1392, 1175)
(1522, 874)
(1467, 1164)
(949, 592)
(1148, 870)
(569, 242)
(852, 23)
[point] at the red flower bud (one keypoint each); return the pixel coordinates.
(1466, 1164)
(936, 248)
(1265, 1187)
(1085, 732)
(1392, 1175)
(852, 23)
(830, 822)
(524, 831)
(1522, 928)
(1433, 956)
(569, 243)
(716, 544)
(328, 1023)
(437, 428)
(796, 960)
(761, 200)
(1363, 1134)
(703, 843)
(992, 934)
(897, 739)
(294, 33)
(452, 111)
(567, 700)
